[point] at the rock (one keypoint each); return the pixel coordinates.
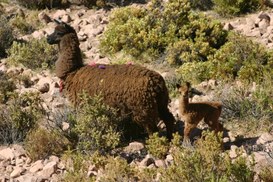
(264, 16)
(65, 126)
(61, 165)
(55, 178)
(59, 14)
(226, 139)
(263, 26)
(19, 150)
(38, 34)
(7, 153)
(160, 163)
(261, 158)
(19, 161)
(54, 158)
(27, 178)
(17, 171)
(66, 18)
(265, 138)
(233, 151)
(147, 161)
(37, 166)
(228, 27)
(48, 170)
(44, 17)
(134, 147)
(44, 88)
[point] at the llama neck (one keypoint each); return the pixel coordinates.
(69, 56)
(184, 103)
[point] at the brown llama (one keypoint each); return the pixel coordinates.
(137, 91)
(193, 113)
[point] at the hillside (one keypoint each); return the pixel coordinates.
(231, 62)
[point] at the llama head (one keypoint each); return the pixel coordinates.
(60, 31)
(184, 89)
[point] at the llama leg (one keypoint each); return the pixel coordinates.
(147, 119)
(187, 130)
(168, 120)
(151, 128)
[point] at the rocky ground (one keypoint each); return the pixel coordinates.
(15, 165)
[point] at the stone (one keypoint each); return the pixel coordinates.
(44, 88)
(27, 178)
(261, 158)
(160, 163)
(233, 151)
(65, 126)
(59, 14)
(54, 158)
(66, 18)
(19, 161)
(7, 153)
(147, 161)
(44, 17)
(38, 34)
(228, 27)
(19, 151)
(226, 140)
(134, 147)
(37, 166)
(48, 170)
(17, 171)
(265, 138)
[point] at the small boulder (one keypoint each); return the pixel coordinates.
(265, 138)
(147, 161)
(17, 171)
(7, 153)
(134, 147)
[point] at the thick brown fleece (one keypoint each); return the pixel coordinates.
(135, 90)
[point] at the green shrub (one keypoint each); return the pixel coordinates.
(235, 7)
(42, 4)
(7, 86)
(6, 36)
(202, 4)
(41, 143)
(169, 28)
(158, 146)
(92, 3)
(171, 83)
(77, 166)
(35, 54)
(242, 58)
(19, 116)
(206, 162)
(195, 72)
(249, 112)
(96, 125)
(117, 169)
(26, 24)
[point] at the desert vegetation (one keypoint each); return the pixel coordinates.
(183, 40)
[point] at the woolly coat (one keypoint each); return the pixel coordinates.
(137, 91)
